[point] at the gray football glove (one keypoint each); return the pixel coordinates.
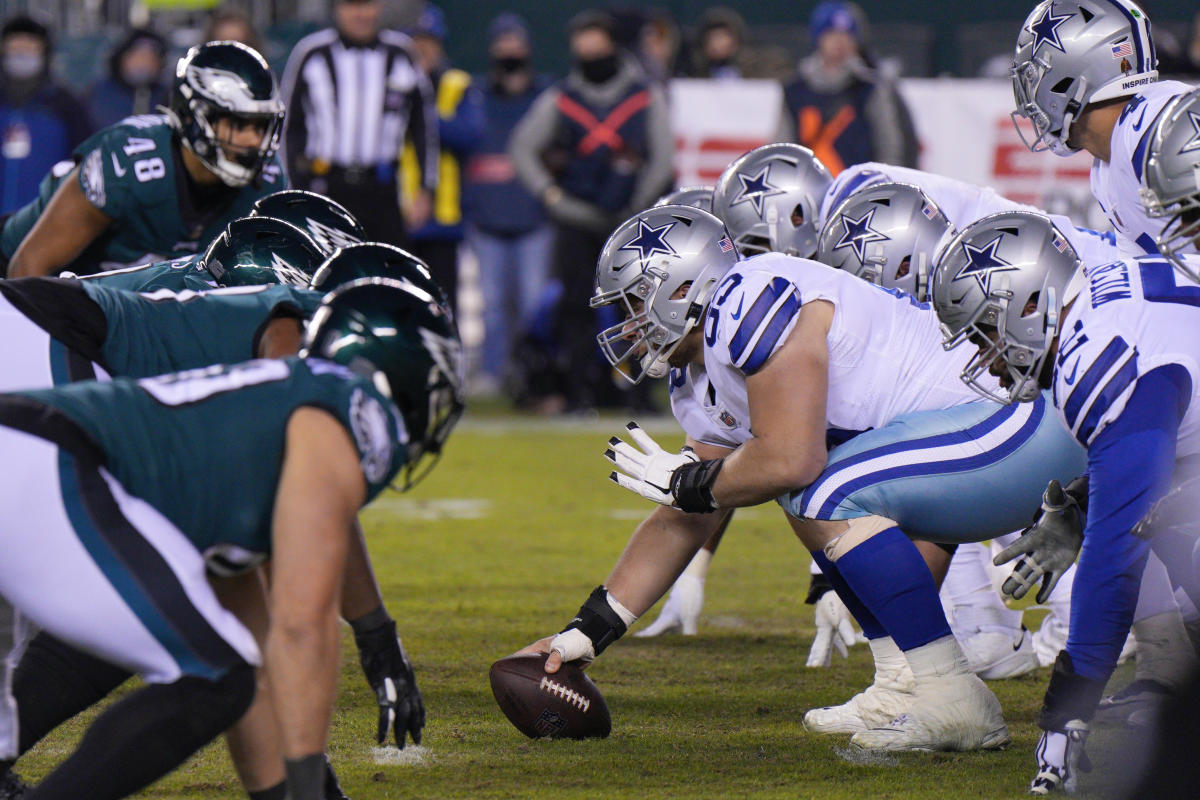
(1048, 547)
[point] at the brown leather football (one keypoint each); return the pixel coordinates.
(565, 705)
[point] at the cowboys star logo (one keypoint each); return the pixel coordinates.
(982, 263)
(859, 234)
(1045, 29)
(1194, 142)
(756, 189)
(650, 241)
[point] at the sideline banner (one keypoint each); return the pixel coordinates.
(963, 126)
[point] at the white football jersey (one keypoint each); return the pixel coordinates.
(1133, 316)
(1116, 183)
(885, 350)
(963, 203)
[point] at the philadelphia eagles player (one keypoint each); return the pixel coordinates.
(105, 473)
(157, 187)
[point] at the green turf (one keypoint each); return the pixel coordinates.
(498, 548)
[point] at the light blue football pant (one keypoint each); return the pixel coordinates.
(963, 474)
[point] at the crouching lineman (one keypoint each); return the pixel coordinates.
(793, 349)
(120, 529)
(65, 330)
(1124, 383)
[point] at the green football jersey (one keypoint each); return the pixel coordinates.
(164, 331)
(177, 275)
(133, 172)
(206, 447)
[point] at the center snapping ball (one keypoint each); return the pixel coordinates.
(565, 705)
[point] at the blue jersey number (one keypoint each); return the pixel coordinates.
(722, 294)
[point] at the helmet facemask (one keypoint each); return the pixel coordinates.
(235, 165)
(1181, 233)
(1027, 80)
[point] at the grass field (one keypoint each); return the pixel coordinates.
(498, 548)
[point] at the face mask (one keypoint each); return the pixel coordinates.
(22, 66)
(510, 64)
(139, 77)
(598, 70)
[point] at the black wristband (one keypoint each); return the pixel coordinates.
(1069, 696)
(597, 621)
(305, 777)
(817, 589)
(370, 622)
(691, 485)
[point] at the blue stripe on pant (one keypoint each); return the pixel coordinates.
(963, 474)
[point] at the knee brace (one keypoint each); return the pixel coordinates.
(859, 530)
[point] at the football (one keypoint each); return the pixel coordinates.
(565, 705)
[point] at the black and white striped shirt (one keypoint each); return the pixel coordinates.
(353, 106)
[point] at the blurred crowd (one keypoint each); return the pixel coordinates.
(520, 173)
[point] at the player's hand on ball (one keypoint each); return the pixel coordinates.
(835, 631)
(541, 647)
(1047, 548)
(391, 676)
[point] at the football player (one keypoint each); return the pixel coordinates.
(326, 221)
(770, 344)
(152, 188)
(1124, 383)
(143, 335)
(115, 526)
(1085, 75)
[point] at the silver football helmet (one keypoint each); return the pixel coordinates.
(1072, 53)
(662, 266)
(885, 234)
(999, 283)
(770, 199)
(1172, 175)
(694, 196)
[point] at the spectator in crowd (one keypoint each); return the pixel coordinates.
(232, 24)
(506, 228)
(354, 94)
(658, 48)
(838, 104)
(40, 121)
(460, 130)
(594, 148)
(134, 84)
(717, 52)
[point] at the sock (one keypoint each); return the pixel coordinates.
(698, 566)
(276, 792)
(147, 735)
(865, 619)
(891, 579)
(54, 681)
(971, 603)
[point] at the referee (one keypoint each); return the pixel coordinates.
(354, 95)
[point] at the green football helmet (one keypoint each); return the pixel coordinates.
(326, 221)
(226, 81)
(375, 260)
(401, 338)
(253, 251)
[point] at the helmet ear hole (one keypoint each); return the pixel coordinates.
(798, 215)
(1031, 305)
(1062, 86)
(905, 265)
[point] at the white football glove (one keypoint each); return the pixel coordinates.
(646, 471)
(681, 612)
(835, 630)
(1061, 757)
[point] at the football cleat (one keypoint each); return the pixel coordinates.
(995, 655)
(1135, 706)
(886, 698)
(954, 712)
(681, 612)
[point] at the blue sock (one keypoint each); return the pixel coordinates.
(893, 582)
(865, 619)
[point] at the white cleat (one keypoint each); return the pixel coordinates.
(681, 612)
(889, 696)
(994, 655)
(954, 712)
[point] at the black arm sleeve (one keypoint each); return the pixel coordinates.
(62, 309)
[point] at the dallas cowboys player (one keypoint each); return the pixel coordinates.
(156, 187)
(1085, 75)
(125, 549)
(1124, 384)
(794, 350)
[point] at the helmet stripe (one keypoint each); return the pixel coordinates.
(1140, 27)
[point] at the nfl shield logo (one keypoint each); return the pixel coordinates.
(727, 419)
